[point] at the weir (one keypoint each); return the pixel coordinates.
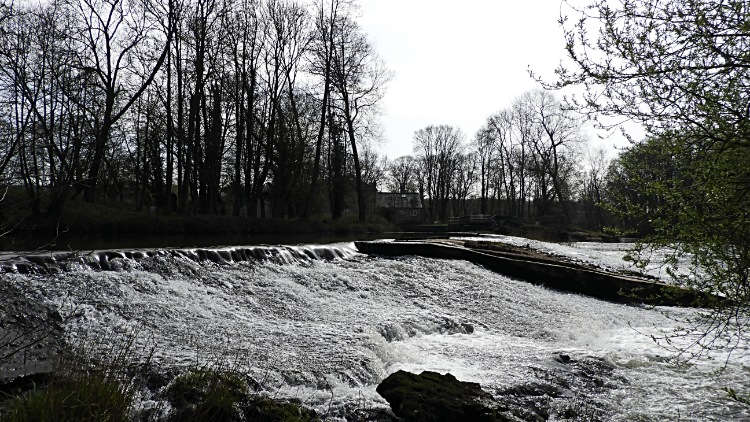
(325, 324)
(51, 262)
(566, 276)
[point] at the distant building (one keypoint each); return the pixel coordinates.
(400, 208)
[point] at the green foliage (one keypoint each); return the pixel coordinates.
(264, 409)
(95, 397)
(217, 395)
(93, 384)
(690, 201)
(680, 69)
(669, 65)
(617, 231)
(206, 395)
(695, 202)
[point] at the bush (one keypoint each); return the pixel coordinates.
(216, 395)
(264, 409)
(206, 395)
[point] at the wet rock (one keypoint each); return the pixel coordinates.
(533, 389)
(265, 409)
(454, 327)
(432, 397)
(563, 358)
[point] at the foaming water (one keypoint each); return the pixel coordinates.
(609, 256)
(108, 259)
(325, 324)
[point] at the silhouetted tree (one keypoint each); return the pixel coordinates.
(402, 174)
(437, 150)
(359, 78)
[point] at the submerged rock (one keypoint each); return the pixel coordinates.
(432, 397)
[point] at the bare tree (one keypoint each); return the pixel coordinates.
(321, 63)
(486, 155)
(6, 11)
(402, 174)
(527, 151)
(464, 180)
(292, 23)
(373, 167)
(117, 39)
(118, 98)
(593, 181)
(437, 150)
(49, 101)
(359, 77)
(498, 132)
(245, 41)
(563, 132)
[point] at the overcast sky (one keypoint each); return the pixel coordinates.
(456, 63)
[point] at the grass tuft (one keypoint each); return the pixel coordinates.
(85, 397)
(86, 384)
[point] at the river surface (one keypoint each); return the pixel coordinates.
(325, 324)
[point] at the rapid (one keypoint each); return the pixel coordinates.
(324, 324)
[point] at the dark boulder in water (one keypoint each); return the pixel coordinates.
(432, 397)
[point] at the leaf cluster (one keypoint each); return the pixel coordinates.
(691, 204)
(682, 70)
(669, 65)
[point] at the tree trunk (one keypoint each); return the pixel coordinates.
(355, 156)
(89, 194)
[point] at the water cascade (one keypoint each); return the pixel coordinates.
(324, 324)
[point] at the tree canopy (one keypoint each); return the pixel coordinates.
(681, 69)
(665, 64)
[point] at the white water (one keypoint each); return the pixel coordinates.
(326, 331)
(608, 256)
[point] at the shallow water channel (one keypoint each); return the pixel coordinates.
(325, 324)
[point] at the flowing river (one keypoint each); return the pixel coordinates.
(325, 324)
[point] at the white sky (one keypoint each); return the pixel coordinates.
(456, 63)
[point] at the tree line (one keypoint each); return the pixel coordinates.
(251, 107)
(529, 160)
(191, 106)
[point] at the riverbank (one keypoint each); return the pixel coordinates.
(535, 232)
(93, 226)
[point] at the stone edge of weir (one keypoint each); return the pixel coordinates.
(564, 276)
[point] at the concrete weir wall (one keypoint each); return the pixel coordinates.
(564, 276)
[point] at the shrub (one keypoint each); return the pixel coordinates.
(219, 395)
(86, 384)
(90, 381)
(264, 409)
(207, 395)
